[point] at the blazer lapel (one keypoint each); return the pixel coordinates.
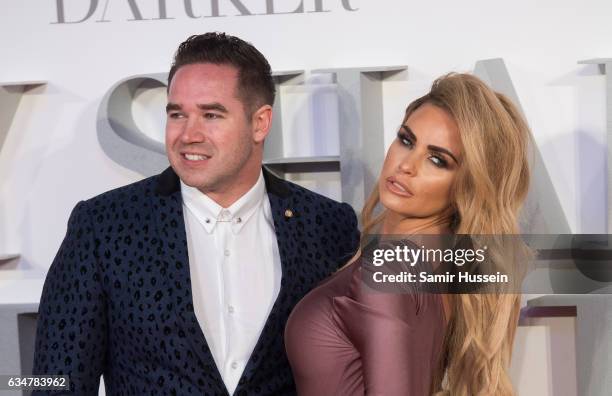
(283, 214)
(168, 213)
(169, 217)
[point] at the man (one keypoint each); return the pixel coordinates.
(182, 283)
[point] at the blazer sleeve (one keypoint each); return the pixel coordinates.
(71, 335)
(349, 235)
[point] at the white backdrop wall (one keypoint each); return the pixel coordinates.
(52, 158)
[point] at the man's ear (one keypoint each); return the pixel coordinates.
(262, 122)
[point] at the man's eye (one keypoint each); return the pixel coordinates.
(211, 116)
(175, 115)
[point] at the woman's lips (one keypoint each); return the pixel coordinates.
(397, 188)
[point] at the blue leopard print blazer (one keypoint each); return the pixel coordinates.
(117, 299)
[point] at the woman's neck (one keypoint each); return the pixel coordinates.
(393, 223)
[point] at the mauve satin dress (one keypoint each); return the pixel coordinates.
(343, 338)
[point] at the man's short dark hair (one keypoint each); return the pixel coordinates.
(255, 83)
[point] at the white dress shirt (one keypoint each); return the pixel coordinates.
(235, 273)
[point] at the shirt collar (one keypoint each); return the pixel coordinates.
(209, 213)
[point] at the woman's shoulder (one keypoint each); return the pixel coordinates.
(365, 292)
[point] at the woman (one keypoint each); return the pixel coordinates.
(458, 166)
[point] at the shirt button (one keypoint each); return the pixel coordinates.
(227, 252)
(234, 365)
(230, 309)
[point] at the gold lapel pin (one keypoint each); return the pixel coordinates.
(288, 213)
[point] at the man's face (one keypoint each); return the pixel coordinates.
(210, 142)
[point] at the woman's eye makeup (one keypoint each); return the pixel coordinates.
(439, 161)
(435, 158)
(404, 138)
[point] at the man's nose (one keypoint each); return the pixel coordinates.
(194, 131)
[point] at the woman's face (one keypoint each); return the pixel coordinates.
(421, 164)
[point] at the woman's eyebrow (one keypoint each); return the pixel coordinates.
(443, 150)
(411, 134)
(439, 149)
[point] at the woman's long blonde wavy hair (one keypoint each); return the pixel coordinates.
(489, 189)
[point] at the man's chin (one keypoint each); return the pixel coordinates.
(201, 185)
(195, 181)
